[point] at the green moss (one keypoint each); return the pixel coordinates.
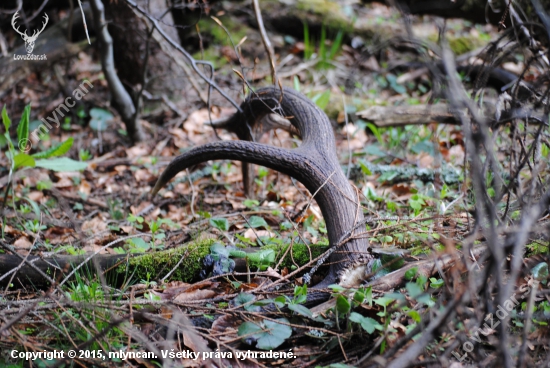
(209, 27)
(330, 12)
(213, 55)
(300, 253)
(461, 44)
(158, 264)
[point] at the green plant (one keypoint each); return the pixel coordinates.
(325, 56)
(114, 204)
(34, 226)
(84, 155)
(148, 283)
(44, 159)
(136, 221)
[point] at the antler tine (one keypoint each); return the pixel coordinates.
(44, 23)
(313, 163)
(15, 16)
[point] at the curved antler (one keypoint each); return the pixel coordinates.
(15, 16)
(43, 26)
(314, 164)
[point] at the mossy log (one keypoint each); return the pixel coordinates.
(118, 268)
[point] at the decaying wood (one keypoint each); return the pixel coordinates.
(385, 116)
(396, 278)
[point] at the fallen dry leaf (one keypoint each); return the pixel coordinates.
(85, 187)
(22, 243)
(36, 195)
(95, 225)
(253, 234)
(194, 296)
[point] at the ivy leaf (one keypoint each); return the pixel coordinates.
(220, 223)
(22, 159)
(62, 164)
(23, 127)
(266, 335)
(57, 150)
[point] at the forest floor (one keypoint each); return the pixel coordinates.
(412, 178)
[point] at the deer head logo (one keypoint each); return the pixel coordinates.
(29, 40)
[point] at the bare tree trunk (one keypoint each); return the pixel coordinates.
(122, 101)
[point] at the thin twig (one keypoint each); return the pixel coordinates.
(188, 56)
(265, 39)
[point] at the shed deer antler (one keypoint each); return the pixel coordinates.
(314, 164)
(29, 40)
(252, 131)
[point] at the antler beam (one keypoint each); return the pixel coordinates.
(314, 164)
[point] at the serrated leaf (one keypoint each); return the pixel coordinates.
(57, 150)
(5, 119)
(22, 159)
(23, 127)
(257, 221)
(62, 164)
(219, 223)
